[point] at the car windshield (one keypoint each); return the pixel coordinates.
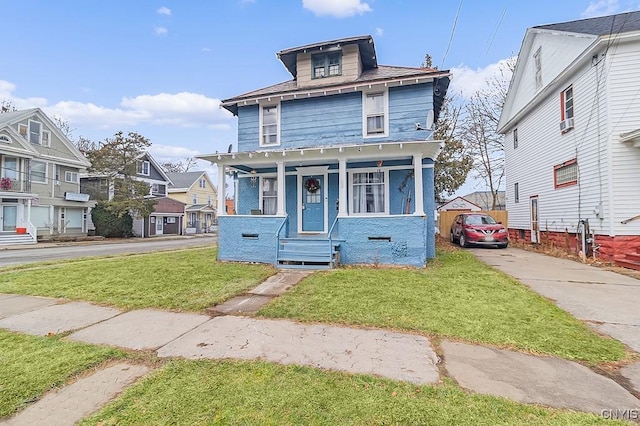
(479, 220)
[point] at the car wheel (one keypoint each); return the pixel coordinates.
(463, 240)
(451, 237)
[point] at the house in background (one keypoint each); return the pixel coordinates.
(460, 204)
(335, 164)
(167, 216)
(572, 126)
(484, 199)
(40, 193)
(196, 191)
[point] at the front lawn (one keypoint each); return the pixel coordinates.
(259, 393)
(31, 366)
(186, 280)
(457, 297)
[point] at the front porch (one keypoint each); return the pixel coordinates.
(321, 207)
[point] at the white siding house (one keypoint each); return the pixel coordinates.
(572, 127)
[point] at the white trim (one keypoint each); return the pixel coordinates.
(141, 169)
(385, 101)
(277, 105)
(29, 132)
(48, 142)
(68, 172)
(386, 190)
(334, 171)
(260, 192)
(5, 139)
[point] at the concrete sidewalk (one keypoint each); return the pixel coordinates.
(400, 356)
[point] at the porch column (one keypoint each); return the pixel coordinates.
(417, 178)
(281, 195)
(342, 188)
(221, 201)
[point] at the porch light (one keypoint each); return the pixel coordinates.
(254, 178)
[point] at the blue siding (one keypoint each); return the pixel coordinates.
(397, 198)
(258, 244)
(337, 119)
(406, 234)
(248, 197)
(429, 209)
(291, 201)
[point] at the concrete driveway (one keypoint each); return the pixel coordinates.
(608, 301)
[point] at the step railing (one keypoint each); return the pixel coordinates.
(333, 225)
(32, 230)
(286, 218)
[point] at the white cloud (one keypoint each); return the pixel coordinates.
(181, 109)
(379, 32)
(160, 30)
(336, 8)
(467, 81)
(164, 11)
(601, 8)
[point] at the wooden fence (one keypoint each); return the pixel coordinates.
(446, 219)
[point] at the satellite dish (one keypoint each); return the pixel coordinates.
(430, 119)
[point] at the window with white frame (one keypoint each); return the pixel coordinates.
(35, 132)
(46, 138)
(269, 195)
(368, 191)
(566, 109)
(375, 114)
(194, 199)
(203, 183)
(269, 118)
(5, 139)
(71, 177)
(143, 168)
(209, 200)
(10, 168)
(327, 65)
(565, 174)
(38, 171)
(22, 129)
(537, 61)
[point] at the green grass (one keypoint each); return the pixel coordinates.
(259, 393)
(186, 280)
(30, 366)
(457, 297)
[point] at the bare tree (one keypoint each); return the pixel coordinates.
(479, 129)
(181, 166)
(7, 105)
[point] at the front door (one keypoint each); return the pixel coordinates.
(159, 226)
(9, 218)
(535, 227)
(313, 189)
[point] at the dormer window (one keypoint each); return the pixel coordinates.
(143, 168)
(327, 65)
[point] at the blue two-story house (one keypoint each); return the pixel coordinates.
(334, 165)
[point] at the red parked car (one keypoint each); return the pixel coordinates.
(479, 229)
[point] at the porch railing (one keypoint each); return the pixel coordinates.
(333, 225)
(32, 230)
(286, 218)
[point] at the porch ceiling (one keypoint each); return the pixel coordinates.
(322, 154)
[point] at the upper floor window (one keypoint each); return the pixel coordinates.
(46, 138)
(22, 129)
(35, 132)
(209, 200)
(71, 177)
(143, 168)
(327, 65)
(565, 174)
(566, 109)
(269, 119)
(38, 171)
(203, 183)
(515, 138)
(375, 114)
(5, 139)
(516, 192)
(369, 193)
(194, 199)
(537, 61)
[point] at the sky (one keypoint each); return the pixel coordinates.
(160, 68)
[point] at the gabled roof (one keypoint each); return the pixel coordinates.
(155, 164)
(365, 44)
(380, 74)
(600, 26)
(184, 180)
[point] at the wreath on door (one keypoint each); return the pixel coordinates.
(312, 185)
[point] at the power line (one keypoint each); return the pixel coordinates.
(453, 31)
(495, 32)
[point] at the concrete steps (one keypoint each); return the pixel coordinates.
(13, 238)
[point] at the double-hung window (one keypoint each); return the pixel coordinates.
(269, 118)
(35, 132)
(368, 191)
(203, 183)
(566, 109)
(38, 171)
(71, 177)
(269, 195)
(143, 168)
(375, 114)
(327, 65)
